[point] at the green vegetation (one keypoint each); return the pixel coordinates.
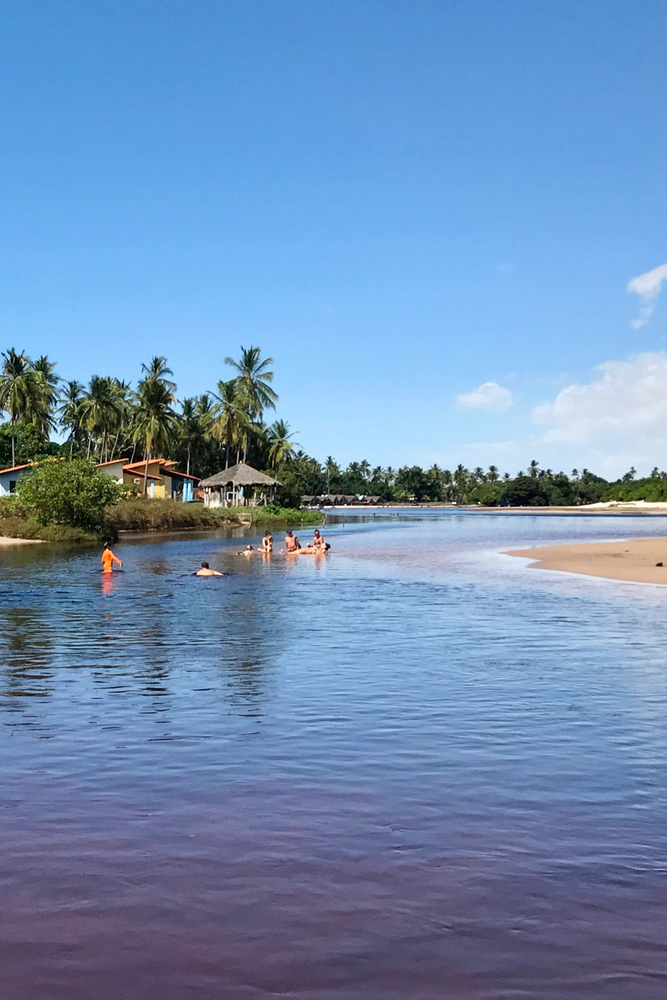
(169, 515)
(13, 524)
(274, 514)
(653, 488)
(68, 494)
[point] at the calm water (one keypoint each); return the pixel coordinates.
(418, 770)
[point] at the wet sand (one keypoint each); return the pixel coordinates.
(634, 560)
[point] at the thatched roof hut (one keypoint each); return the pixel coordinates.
(238, 483)
(239, 475)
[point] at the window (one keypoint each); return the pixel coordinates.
(12, 485)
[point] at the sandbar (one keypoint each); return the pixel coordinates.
(19, 541)
(635, 559)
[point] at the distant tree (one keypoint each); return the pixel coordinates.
(71, 417)
(411, 483)
(73, 493)
(281, 446)
(229, 416)
(254, 380)
(21, 393)
(157, 370)
(154, 421)
(525, 491)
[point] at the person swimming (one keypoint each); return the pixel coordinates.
(248, 551)
(318, 542)
(207, 571)
(108, 559)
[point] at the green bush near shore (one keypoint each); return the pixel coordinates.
(13, 524)
(273, 513)
(169, 515)
(68, 495)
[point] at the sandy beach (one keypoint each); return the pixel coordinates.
(19, 541)
(639, 560)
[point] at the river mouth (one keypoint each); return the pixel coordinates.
(411, 769)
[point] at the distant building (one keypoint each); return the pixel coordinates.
(9, 478)
(162, 481)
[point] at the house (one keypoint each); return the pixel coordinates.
(162, 479)
(10, 477)
(239, 486)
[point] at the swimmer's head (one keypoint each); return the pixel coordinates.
(249, 548)
(204, 565)
(267, 534)
(317, 533)
(289, 533)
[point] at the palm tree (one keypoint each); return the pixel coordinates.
(254, 380)
(101, 411)
(70, 412)
(154, 419)
(331, 469)
(229, 417)
(533, 469)
(492, 474)
(121, 422)
(281, 446)
(193, 427)
(46, 396)
(19, 390)
(157, 370)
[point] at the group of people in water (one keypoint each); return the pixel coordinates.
(293, 547)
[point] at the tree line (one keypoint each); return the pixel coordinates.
(109, 418)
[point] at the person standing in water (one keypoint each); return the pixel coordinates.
(108, 559)
(267, 543)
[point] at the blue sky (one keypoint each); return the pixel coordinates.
(400, 202)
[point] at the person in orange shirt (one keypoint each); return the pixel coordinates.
(108, 559)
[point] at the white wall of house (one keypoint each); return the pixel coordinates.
(6, 480)
(113, 469)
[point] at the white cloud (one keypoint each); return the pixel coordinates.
(623, 410)
(647, 287)
(489, 396)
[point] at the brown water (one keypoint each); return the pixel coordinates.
(415, 770)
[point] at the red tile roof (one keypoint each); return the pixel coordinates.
(16, 468)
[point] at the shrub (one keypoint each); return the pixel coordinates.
(72, 494)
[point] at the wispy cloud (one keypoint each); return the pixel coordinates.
(489, 396)
(647, 287)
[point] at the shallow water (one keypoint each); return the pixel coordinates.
(416, 769)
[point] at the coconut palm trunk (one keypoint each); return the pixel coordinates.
(146, 473)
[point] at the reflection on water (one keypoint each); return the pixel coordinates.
(415, 769)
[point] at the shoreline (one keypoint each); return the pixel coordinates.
(635, 560)
(634, 507)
